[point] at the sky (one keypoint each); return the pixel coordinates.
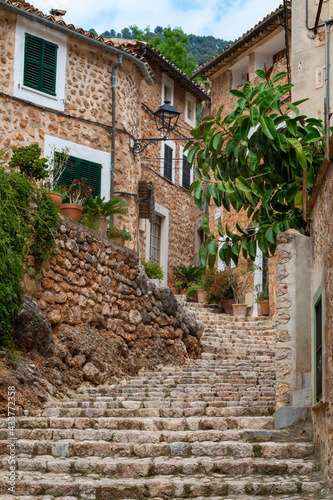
(226, 19)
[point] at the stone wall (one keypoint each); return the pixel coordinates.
(97, 283)
(293, 348)
(322, 275)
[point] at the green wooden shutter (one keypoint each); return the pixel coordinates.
(32, 61)
(77, 168)
(40, 64)
(49, 68)
(168, 162)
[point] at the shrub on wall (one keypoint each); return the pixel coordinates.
(28, 224)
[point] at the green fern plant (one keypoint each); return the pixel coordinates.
(153, 270)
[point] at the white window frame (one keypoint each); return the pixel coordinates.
(164, 243)
(189, 97)
(172, 145)
(166, 81)
(84, 153)
(24, 26)
(182, 153)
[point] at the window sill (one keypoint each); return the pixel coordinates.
(38, 92)
(321, 405)
(190, 122)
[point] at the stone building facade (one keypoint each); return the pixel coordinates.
(77, 114)
(262, 47)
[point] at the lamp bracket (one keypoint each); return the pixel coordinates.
(139, 145)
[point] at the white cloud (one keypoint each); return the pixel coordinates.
(227, 19)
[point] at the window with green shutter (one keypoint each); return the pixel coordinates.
(77, 168)
(40, 64)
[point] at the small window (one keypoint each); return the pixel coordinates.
(167, 93)
(186, 177)
(318, 351)
(167, 89)
(77, 168)
(155, 239)
(190, 110)
(279, 55)
(168, 158)
(40, 64)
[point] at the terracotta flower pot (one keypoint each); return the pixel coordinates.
(102, 225)
(202, 296)
(263, 307)
(226, 305)
(72, 211)
(118, 239)
(239, 309)
(56, 198)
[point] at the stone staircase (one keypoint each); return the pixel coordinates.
(203, 430)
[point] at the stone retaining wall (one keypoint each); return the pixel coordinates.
(95, 282)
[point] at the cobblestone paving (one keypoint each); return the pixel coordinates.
(203, 430)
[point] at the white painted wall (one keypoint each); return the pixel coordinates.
(85, 153)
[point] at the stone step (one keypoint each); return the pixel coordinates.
(162, 487)
(103, 443)
(181, 424)
(129, 412)
(142, 467)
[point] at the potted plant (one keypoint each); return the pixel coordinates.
(197, 290)
(153, 270)
(187, 275)
(221, 292)
(180, 287)
(262, 299)
(78, 194)
(57, 165)
(238, 279)
(97, 211)
(118, 235)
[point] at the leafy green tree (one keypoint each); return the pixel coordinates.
(173, 46)
(257, 159)
(94, 32)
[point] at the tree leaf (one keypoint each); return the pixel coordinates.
(252, 248)
(292, 126)
(243, 185)
(205, 224)
(237, 93)
(268, 127)
(298, 201)
(245, 128)
(212, 247)
(254, 116)
(191, 154)
(266, 197)
(256, 191)
(229, 187)
(270, 235)
(279, 76)
(197, 190)
(219, 227)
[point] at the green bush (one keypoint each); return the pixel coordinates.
(121, 233)
(188, 274)
(153, 270)
(28, 224)
(27, 160)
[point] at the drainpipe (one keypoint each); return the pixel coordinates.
(113, 142)
(327, 82)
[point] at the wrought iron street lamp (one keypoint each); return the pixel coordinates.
(166, 118)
